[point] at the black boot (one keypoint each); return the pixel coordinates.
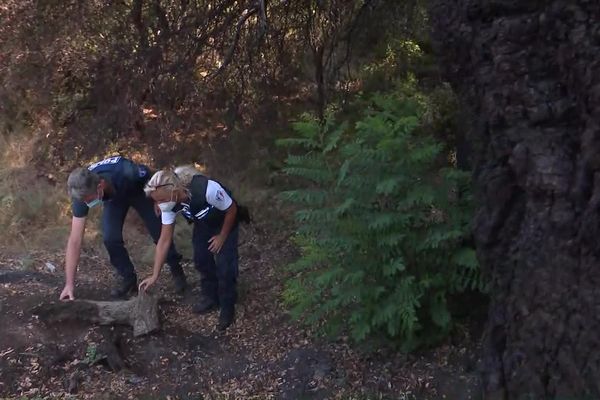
(179, 282)
(205, 305)
(123, 289)
(226, 317)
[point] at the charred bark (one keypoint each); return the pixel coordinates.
(530, 72)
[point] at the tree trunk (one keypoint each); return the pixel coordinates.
(530, 73)
(318, 54)
(140, 312)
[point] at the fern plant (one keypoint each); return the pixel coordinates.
(381, 227)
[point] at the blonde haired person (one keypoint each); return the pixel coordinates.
(207, 204)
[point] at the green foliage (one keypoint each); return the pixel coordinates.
(383, 225)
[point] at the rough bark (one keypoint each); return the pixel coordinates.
(140, 312)
(530, 73)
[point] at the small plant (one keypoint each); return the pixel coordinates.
(383, 225)
(91, 354)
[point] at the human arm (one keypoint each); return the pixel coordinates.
(73, 252)
(160, 255)
(217, 241)
(218, 197)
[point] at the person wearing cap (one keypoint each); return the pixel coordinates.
(118, 184)
(215, 215)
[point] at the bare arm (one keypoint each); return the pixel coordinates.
(229, 220)
(162, 248)
(216, 242)
(72, 255)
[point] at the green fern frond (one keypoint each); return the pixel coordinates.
(382, 228)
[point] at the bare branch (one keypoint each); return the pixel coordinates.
(236, 38)
(262, 6)
(137, 19)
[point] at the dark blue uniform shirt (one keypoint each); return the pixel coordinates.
(126, 177)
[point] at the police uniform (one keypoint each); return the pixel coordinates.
(206, 209)
(127, 180)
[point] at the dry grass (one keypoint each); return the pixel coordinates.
(33, 209)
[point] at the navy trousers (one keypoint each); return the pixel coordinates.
(218, 272)
(113, 218)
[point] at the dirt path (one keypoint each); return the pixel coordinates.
(263, 355)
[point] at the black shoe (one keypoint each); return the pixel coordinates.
(180, 283)
(204, 306)
(124, 289)
(225, 318)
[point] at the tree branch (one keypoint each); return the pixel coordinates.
(137, 19)
(236, 39)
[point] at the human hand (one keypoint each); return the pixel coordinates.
(67, 293)
(146, 283)
(216, 243)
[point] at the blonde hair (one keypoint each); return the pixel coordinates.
(185, 173)
(179, 178)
